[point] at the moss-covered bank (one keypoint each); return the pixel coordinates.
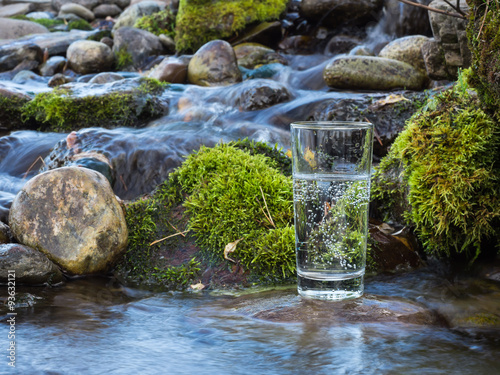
(443, 175)
(200, 21)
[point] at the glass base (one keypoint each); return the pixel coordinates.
(331, 290)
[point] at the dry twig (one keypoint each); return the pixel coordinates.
(269, 218)
(32, 165)
(164, 238)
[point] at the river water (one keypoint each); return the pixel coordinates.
(98, 326)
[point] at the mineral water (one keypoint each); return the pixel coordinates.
(331, 225)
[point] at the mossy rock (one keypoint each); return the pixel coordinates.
(61, 110)
(483, 33)
(162, 22)
(201, 21)
(446, 165)
(216, 196)
(11, 105)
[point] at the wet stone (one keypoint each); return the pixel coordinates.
(214, 64)
(71, 215)
(87, 56)
(53, 66)
(31, 266)
(252, 55)
(288, 307)
(5, 235)
(372, 73)
(261, 93)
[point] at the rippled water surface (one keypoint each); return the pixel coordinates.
(96, 326)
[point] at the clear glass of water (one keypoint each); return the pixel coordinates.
(331, 193)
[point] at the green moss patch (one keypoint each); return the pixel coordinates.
(212, 200)
(483, 33)
(446, 162)
(235, 196)
(201, 21)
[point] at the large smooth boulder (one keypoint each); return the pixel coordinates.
(72, 215)
(408, 50)
(88, 56)
(30, 265)
(372, 73)
(214, 64)
(14, 29)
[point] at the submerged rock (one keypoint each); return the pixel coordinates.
(372, 73)
(214, 64)
(72, 215)
(287, 307)
(30, 265)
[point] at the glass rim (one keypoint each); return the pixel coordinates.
(331, 125)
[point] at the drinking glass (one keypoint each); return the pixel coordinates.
(331, 192)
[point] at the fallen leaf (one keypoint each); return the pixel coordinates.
(230, 248)
(309, 157)
(197, 287)
(391, 99)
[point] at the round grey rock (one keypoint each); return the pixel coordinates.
(372, 73)
(105, 10)
(30, 265)
(77, 9)
(71, 215)
(214, 64)
(87, 56)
